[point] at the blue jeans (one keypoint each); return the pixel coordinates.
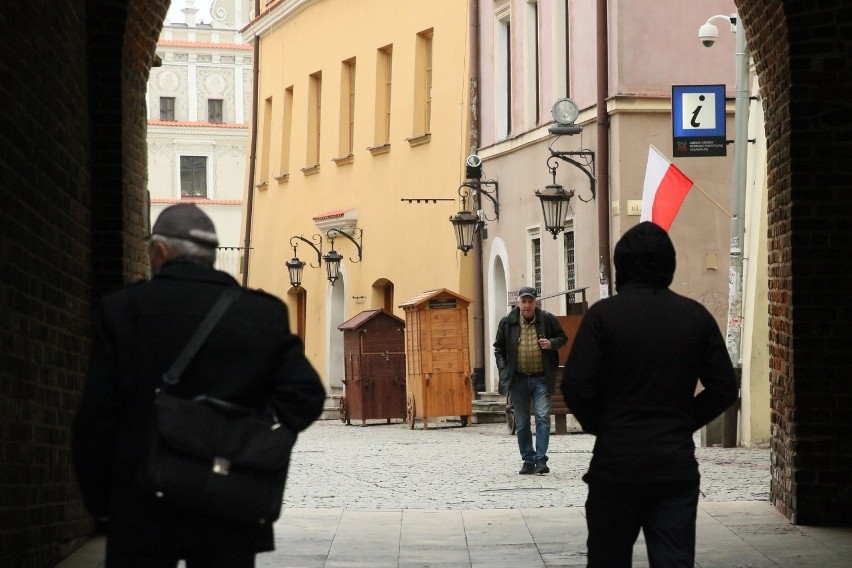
(526, 389)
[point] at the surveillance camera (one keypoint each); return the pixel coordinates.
(708, 34)
(473, 169)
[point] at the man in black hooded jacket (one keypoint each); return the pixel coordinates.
(631, 380)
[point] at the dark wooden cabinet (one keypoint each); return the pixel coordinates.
(374, 365)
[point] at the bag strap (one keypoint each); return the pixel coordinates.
(172, 376)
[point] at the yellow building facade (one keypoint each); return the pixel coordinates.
(362, 109)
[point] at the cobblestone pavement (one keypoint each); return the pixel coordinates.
(389, 466)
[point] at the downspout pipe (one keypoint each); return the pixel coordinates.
(252, 153)
(602, 153)
(478, 375)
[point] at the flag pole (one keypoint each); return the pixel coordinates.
(716, 203)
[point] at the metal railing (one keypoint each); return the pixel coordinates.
(230, 260)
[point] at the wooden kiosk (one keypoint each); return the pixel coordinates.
(438, 381)
(374, 362)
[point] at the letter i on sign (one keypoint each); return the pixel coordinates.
(699, 111)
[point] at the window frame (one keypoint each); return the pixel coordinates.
(208, 194)
(173, 104)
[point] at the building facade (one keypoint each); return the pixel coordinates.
(534, 52)
(199, 105)
(360, 146)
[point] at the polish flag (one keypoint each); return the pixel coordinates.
(664, 190)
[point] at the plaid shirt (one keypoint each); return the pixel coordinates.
(529, 353)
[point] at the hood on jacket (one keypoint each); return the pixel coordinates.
(645, 256)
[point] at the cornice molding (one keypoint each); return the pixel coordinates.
(271, 18)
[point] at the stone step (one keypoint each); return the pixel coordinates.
(331, 408)
(495, 396)
(489, 417)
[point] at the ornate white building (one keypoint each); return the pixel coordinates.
(199, 107)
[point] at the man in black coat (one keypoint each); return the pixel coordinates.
(631, 380)
(250, 359)
(525, 350)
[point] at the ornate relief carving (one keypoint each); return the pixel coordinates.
(168, 81)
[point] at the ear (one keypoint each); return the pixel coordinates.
(160, 254)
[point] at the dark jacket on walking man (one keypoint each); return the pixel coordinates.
(631, 379)
(526, 352)
(251, 358)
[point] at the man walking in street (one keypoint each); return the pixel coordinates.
(525, 348)
(631, 380)
(250, 358)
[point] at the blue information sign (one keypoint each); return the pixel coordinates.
(698, 120)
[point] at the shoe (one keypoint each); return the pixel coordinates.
(542, 468)
(528, 469)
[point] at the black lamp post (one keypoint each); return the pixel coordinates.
(332, 264)
(294, 268)
(465, 224)
(554, 204)
(332, 258)
(555, 199)
(294, 265)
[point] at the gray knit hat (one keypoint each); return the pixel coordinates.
(186, 221)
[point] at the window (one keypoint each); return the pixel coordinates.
(167, 108)
(314, 119)
(266, 141)
(503, 73)
(214, 110)
(568, 260)
(384, 79)
(531, 65)
(535, 257)
(561, 37)
(347, 108)
(193, 176)
(287, 130)
(423, 84)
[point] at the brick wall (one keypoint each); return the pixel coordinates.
(72, 165)
(806, 77)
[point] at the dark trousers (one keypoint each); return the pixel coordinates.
(615, 512)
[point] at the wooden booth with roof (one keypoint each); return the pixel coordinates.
(437, 350)
(374, 365)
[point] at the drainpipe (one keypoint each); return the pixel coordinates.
(602, 154)
(478, 375)
(252, 152)
(738, 206)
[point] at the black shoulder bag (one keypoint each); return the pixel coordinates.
(212, 456)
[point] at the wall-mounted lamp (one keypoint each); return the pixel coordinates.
(554, 205)
(332, 258)
(466, 222)
(555, 199)
(294, 265)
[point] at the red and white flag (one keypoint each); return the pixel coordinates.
(664, 190)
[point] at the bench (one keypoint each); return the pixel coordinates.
(558, 409)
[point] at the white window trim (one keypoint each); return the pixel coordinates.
(211, 179)
(502, 19)
(563, 279)
(531, 78)
(534, 232)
